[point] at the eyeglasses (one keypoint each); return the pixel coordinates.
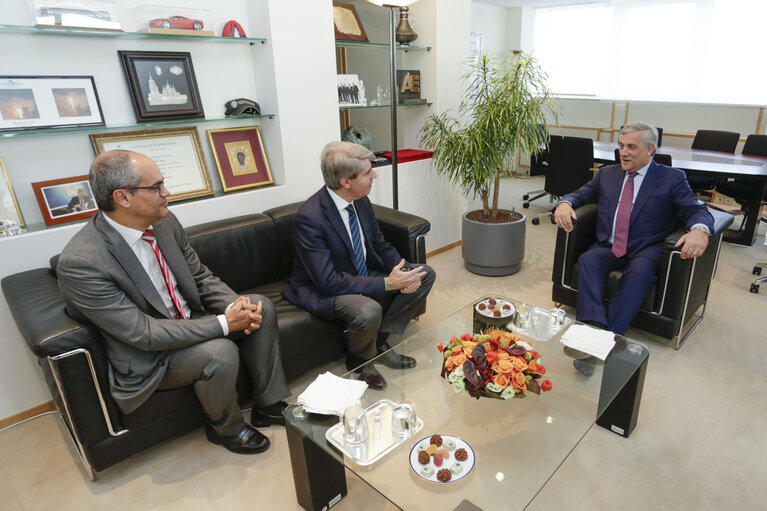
(157, 188)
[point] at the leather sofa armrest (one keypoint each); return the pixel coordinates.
(722, 221)
(39, 310)
(570, 246)
(404, 231)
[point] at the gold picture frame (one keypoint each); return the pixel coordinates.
(347, 23)
(8, 202)
(177, 151)
(240, 157)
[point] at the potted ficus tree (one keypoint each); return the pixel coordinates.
(504, 110)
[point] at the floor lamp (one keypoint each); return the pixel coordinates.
(393, 6)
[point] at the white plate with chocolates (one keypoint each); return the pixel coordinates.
(496, 308)
(442, 458)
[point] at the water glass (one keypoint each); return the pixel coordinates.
(404, 420)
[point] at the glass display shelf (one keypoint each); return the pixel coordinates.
(362, 44)
(146, 125)
(360, 107)
(29, 29)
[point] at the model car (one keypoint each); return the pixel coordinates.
(177, 22)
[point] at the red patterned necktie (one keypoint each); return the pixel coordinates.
(148, 236)
(622, 220)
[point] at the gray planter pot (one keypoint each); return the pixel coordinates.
(493, 249)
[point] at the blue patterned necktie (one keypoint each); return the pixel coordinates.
(359, 254)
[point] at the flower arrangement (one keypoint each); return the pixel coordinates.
(497, 363)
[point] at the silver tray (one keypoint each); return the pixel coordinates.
(381, 440)
(546, 331)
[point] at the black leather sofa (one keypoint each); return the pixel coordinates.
(681, 290)
(252, 253)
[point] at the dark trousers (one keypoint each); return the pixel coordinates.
(640, 272)
(364, 317)
(212, 368)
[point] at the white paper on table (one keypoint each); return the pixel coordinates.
(329, 394)
(594, 341)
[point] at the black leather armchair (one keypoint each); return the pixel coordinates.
(681, 290)
(253, 253)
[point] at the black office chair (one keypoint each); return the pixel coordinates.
(570, 162)
(538, 166)
(663, 159)
(712, 140)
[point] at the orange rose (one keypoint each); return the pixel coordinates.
(502, 355)
(518, 363)
(518, 382)
(449, 364)
(467, 349)
(459, 359)
(532, 366)
(501, 381)
(491, 357)
(505, 366)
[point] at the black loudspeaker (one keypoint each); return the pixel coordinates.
(627, 363)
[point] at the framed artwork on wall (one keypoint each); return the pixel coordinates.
(162, 85)
(351, 90)
(64, 200)
(240, 157)
(177, 151)
(9, 206)
(347, 23)
(43, 102)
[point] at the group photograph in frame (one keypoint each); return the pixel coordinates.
(347, 23)
(66, 199)
(176, 151)
(10, 213)
(351, 91)
(240, 157)
(162, 85)
(46, 102)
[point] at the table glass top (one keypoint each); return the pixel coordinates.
(518, 443)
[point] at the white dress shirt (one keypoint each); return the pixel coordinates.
(341, 204)
(146, 256)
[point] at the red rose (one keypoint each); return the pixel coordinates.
(440, 347)
(541, 368)
(466, 337)
(535, 354)
(546, 385)
(491, 356)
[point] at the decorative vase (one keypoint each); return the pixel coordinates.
(493, 249)
(405, 34)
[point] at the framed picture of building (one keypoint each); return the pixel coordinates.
(45, 102)
(162, 85)
(240, 157)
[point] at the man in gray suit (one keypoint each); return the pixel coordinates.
(167, 321)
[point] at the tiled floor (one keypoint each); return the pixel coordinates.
(700, 443)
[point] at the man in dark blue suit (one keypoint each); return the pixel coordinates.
(640, 203)
(344, 269)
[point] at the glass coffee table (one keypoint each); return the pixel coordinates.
(517, 443)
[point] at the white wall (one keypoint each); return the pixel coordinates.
(292, 76)
(490, 21)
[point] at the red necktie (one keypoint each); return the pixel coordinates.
(622, 220)
(148, 236)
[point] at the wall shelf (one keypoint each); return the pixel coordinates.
(146, 125)
(361, 107)
(362, 44)
(27, 29)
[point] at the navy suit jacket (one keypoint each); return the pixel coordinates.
(665, 200)
(324, 265)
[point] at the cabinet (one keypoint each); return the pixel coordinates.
(40, 155)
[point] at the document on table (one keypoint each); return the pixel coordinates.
(593, 341)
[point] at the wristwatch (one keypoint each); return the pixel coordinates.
(702, 227)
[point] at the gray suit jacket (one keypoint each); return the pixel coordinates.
(103, 282)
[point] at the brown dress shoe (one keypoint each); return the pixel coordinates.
(369, 375)
(248, 441)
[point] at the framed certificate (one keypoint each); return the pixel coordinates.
(240, 157)
(347, 23)
(177, 151)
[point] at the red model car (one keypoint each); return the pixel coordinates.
(177, 22)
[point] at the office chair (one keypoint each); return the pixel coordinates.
(570, 162)
(538, 167)
(711, 140)
(663, 159)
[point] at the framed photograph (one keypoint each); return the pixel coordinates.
(162, 85)
(177, 151)
(347, 23)
(42, 102)
(240, 157)
(9, 206)
(351, 90)
(409, 86)
(64, 200)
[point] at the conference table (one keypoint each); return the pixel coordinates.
(716, 164)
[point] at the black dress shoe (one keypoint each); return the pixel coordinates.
(391, 358)
(585, 366)
(369, 375)
(248, 441)
(262, 417)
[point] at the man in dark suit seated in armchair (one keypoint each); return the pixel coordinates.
(344, 269)
(640, 202)
(165, 318)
